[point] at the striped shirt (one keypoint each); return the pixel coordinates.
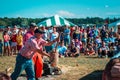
(31, 45)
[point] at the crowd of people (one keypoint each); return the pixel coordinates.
(66, 41)
(73, 40)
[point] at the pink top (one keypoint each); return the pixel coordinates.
(31, 45)
(27, 36)
(6, 38)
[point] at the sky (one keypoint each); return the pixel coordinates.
(64, 8)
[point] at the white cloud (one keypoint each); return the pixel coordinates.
(46, 15)
(112, 13)
(88, 8)
(65, 13)
(60, 13)
(106, 6)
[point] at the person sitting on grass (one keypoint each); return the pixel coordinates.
(78, 44)
(72, 50)
(62, 50)
(103, 51)
(89, 50)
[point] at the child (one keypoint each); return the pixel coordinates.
(89, 51)
(78, 43)
(62, 49)
(1, 45)
(19, 39)
(14, 42)
(6, 38)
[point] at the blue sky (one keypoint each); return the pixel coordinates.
(64, 8)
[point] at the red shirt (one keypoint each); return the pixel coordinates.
(27, 36)
(13, 39)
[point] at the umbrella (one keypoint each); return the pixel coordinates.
(55, 21)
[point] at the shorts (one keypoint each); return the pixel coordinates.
(6, 44)
(103, 53)
(13, 44)
(19, 47)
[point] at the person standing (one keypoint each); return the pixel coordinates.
(37, 58)
(1, 45)
(45, 36)
(53, 36)
(6, 39)
(19, 39)
(67, 36)
(30, 32)
(24, 57)
(13, 43)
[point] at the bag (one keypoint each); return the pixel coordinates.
(49, 70)
(115, 70)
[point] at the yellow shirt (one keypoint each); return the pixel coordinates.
(19, 39)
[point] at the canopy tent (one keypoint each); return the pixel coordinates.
(114, 25)
(55, 21)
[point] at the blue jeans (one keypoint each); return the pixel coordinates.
(23, 63)
(67, 41)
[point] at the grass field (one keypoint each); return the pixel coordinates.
(81, 68)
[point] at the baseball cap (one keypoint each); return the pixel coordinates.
(39, 31)
(33, 25)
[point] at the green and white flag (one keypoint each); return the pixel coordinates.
(55, 21)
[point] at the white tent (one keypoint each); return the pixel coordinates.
(114, 25)
(55, 21)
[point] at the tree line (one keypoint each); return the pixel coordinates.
(24, 22)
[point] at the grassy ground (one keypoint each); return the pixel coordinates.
(81, 68)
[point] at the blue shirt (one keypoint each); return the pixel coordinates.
(106, 40)
(95, 33)
(67, 33)
(62, 49)
(112, 39)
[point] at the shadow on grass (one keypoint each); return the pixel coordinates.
(96, 75)
(96, 57)
(93, 57)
